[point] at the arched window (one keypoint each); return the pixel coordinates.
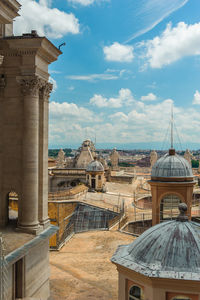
(12, 207)
(169, 207)
(135, 293)
(181, 298)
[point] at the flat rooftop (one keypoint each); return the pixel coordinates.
(82, 268)
(14, 239)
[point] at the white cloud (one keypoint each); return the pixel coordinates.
(149, 123)
(67, 110)
(48, 21)
(173, 44)
(119, 116)
(149, 97)
(109, 74)
(93, 77)
(84, 2)
(124, 98)
(196, 99)
(141, 122)
(53, 81)
(152, 12)
(118, 52)
(99, 101)
(68, 123)
(54, 72)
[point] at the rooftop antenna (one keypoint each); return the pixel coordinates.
(172, 127)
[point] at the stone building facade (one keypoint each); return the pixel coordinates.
(171, 183)
(162, 264)
(86, 155)
(95, 175)
(24, 94)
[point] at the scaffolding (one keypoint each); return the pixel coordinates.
(3, 271)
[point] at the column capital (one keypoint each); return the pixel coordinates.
(30, 85)
(46, 90)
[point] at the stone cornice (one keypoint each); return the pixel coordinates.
(8, 10)
(12, 4)
(11, 53)
(26, 45)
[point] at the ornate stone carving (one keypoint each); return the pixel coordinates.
(46, 90)
(30, 85)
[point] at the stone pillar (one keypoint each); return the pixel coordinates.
(60, 161)
(43, 153)
(3, 204)
(28, 209)
(153, 158)
(188, 156)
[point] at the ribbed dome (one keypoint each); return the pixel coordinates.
(168, 250)
(171, 166)
(95, 166)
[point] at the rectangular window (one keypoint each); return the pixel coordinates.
(19, 279)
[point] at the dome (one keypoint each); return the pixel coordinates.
(167, 250)
(95, 166)
(172, 165)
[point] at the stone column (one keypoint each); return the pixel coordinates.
(3, 201)
(28, 206)
(43, 153)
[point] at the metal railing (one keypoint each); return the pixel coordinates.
(3, 271)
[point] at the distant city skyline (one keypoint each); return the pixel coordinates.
(132, 146)
(121, 68)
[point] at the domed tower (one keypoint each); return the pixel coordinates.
(95, 175)
(171, 183)
(163, 263)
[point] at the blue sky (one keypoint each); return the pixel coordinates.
(125, 62)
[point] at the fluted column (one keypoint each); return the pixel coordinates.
(43, 153)
(3, 202)
(28, 210)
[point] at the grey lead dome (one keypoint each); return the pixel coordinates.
(171, 166)
(95, 166)
(167, 250)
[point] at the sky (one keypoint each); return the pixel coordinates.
(124, 64)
